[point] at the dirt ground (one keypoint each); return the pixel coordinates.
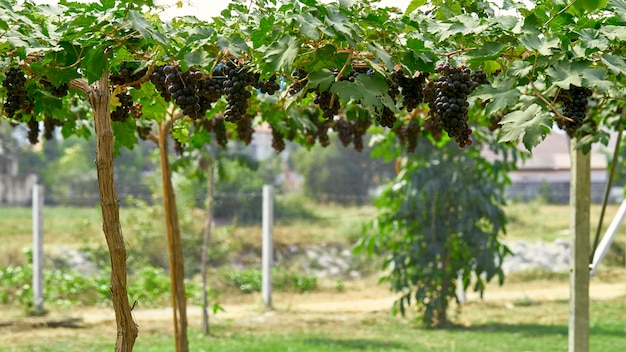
(359, 299)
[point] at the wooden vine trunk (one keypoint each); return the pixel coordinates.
(175, 250)
(99, 97)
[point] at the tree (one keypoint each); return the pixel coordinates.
(441, 217)
(363, 66)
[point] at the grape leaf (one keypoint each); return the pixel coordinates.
(520, 69)
(320, 79)
(596, 78)
(146, 29)
(502, 94)
(589, 5)
(614, 63)
(370, 91)
(592, 39)
(309, 25)
(542, 46)
(531, 124)
(565, 73)
(414, 5)
(281, 53)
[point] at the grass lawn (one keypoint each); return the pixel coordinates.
(484, 327)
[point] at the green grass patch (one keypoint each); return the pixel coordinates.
(487, 328)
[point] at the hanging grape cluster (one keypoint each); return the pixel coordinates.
(182, 87)
(239, 78)
(49, 125)
(410, 87)
(128, 73)
(194, 93)
(266, 86)
(123, 109)
(447, 100)
(55, 91)
(319, 131)
(408, 134)
(278, 140)
(575, 101)
(14, 82)
(245, 129)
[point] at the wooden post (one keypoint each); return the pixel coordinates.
(580, 200)
(38, 249)
(267, 251)
(175, 251)
(204, 259)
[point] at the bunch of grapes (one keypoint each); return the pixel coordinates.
(447, 99)
(33, 130)
(121, 111)
(278, 140)
(244, 129)
(320, 132)
(408, 134)
(344, 131)
(478, 77)
(385, 116)
(14, 83)
(182, 87)
(59, 91)
(328, 102)
(412, 88)
(211, 88)
(359, 128)
(144, 131)
(266, 86)
(219, 130)
(239, 78)
(301, 81)
(49, 124)
(575, 107)
(158, 79)
(136, 110)
(127, 74)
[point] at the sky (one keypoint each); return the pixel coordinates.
(205, 9)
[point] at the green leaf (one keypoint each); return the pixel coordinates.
(320, 79)
(613, 32)
(145, 28)
(124, 134)
(520, 69)
(501, 95)
(592, 39)
(414, 5)
(531, 124)
(95, 62)
(589, 5)
(542, 46)
(180, 130)
(615, 63)
(381, 54)
(309, 25)
(565, 73)
(596, 78)
(371, 91)
(281, 53)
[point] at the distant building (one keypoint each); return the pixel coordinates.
(546, 173)
(15, 189)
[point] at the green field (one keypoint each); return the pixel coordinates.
(537, 327)
(515, 324)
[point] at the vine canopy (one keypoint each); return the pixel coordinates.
(306, 67)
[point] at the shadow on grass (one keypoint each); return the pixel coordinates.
(354, 344)
(534, 329)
